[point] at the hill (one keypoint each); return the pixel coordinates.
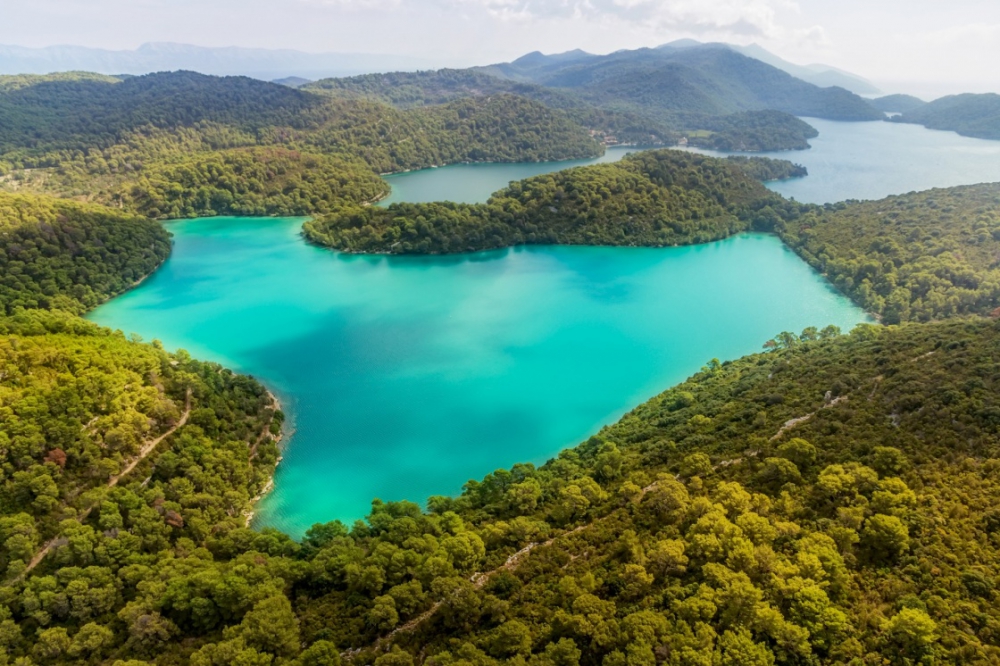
(969, 115)
(70, 256)
(920, 256)
(898, 103)
(614, 122)
(95, 137)
(708, 80)
(251, 181)
(654, 198)
(292, 81)
(817, 74)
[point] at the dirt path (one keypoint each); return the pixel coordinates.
(478, 579)
(146, 449)
(266, 431)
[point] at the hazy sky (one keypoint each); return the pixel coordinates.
(905, 44)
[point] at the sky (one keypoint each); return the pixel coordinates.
(915, 46)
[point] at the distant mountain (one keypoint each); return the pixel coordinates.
(263, 64)
(969, 115)
(292, 81)
(823, 76)
(898, 103)
(672, 81)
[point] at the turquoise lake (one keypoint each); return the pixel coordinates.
(406, 376)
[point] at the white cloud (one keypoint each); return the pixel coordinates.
(743, 18)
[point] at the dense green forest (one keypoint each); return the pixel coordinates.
(616, 119)
(657, 198)
(969, 115)
(753, 131)
(153, 142)
(919, 256)
(767, 169)
(121, 465)
(830, 500)
(261, 181)
(71, 256)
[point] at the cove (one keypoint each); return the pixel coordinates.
(474, 183)
(406, 376)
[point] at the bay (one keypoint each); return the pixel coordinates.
(406, 376)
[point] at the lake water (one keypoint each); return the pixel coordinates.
(407, 376)
(847, 161)
(473, 183)
(876, 159)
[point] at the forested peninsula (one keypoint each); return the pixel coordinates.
(919, 257)
(830, 500)
(651, 198)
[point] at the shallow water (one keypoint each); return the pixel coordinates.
(407, 376)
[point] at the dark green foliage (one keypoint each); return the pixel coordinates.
(94, 137)
(969, 115)
(71, 256)
(639, 97)
(651, 198)
(753, 131)
(919, 257)
(766, 169)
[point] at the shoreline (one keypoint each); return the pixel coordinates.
(250, 512)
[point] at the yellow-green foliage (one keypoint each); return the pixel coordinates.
(256, 181)
(920, 256)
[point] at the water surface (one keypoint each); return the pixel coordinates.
(872, 160)
(867, 160)
(407, 376)
(473, 183)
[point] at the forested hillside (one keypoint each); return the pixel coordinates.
(706, 80)
(918, 257)
(655, 198)
(618, 119)
(969, 115)
(752, 131)
(828, 501)
(254, 181)
(70, 256)
(101, 139)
